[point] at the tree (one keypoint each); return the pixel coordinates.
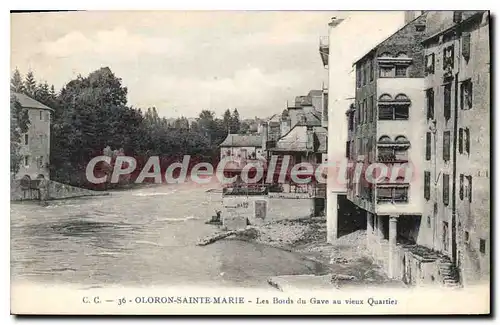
(16, 82)
(19, 124)
(30, 84)
(227, 120)
(235, 121)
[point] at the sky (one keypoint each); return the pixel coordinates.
(182, 62)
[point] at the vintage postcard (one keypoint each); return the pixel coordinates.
(250, 162)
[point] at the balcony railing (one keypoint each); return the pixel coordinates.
(392, 193)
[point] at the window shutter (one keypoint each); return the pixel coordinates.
(446, 189)
(467, 141)
(461, 140)
(470, 188)
(428, 146)
(427, 185)
(466, 45)
(446, 145)
(461, 186)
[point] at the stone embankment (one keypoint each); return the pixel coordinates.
(48, 190)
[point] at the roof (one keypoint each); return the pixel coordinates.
(28, 102)
(373, 49)
(440, 24)
(297, 140)
(242, 140)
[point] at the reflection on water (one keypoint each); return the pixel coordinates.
(140, 237)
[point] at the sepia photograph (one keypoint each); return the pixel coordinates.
(250, 162)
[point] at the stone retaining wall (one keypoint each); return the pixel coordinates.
(49, 190)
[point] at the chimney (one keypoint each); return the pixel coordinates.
(265, 134)
(411, 15)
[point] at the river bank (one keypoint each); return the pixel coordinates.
(347, 262)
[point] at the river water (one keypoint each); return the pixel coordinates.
(138, 237)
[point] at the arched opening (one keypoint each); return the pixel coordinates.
(384, 139)
(385, 55)
(385, 97)
(40, 176)
(402, 98)
(402, 55)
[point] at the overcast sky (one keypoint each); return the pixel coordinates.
(181, 62)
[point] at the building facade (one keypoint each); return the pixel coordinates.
(241, 148)
(35, 143)
(385, 126)
(348, 38)
(457, 147)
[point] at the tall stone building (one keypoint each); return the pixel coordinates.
(35, 144)
(457, 141)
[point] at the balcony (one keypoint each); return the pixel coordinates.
(324, 49)
(392, 193)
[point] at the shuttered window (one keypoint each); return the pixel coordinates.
(466, 45)
(446, 145)
(428, 146)
(427, 185)
(446, 189)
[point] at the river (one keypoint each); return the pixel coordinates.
(138, 237)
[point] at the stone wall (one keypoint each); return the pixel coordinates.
(259, 209)
(49, 190)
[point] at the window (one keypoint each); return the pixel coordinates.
(26, 138)
(363, 76)
(447, 101)
(401, 71)
(369, 110)
(461, 191)
(40, 162)
(392, 194)
(428, 221)
(26, 161)
(348, 149)
(448, 58)
(386, 72)
(373, 108)
(365, 110)
(393, 112)
(446, 189)
(371, 70)
(351, 121)
(41, 115)
(358, 77)
(427, 185)
(466, 237)
(466, 45)
(428, 137)
(429, 95)
(429, 63)
(461, 140)
(469, 186)
(482, 246)
(446, 145)
(466, 141)
(466, 94)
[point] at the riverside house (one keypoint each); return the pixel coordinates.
(35, 144)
